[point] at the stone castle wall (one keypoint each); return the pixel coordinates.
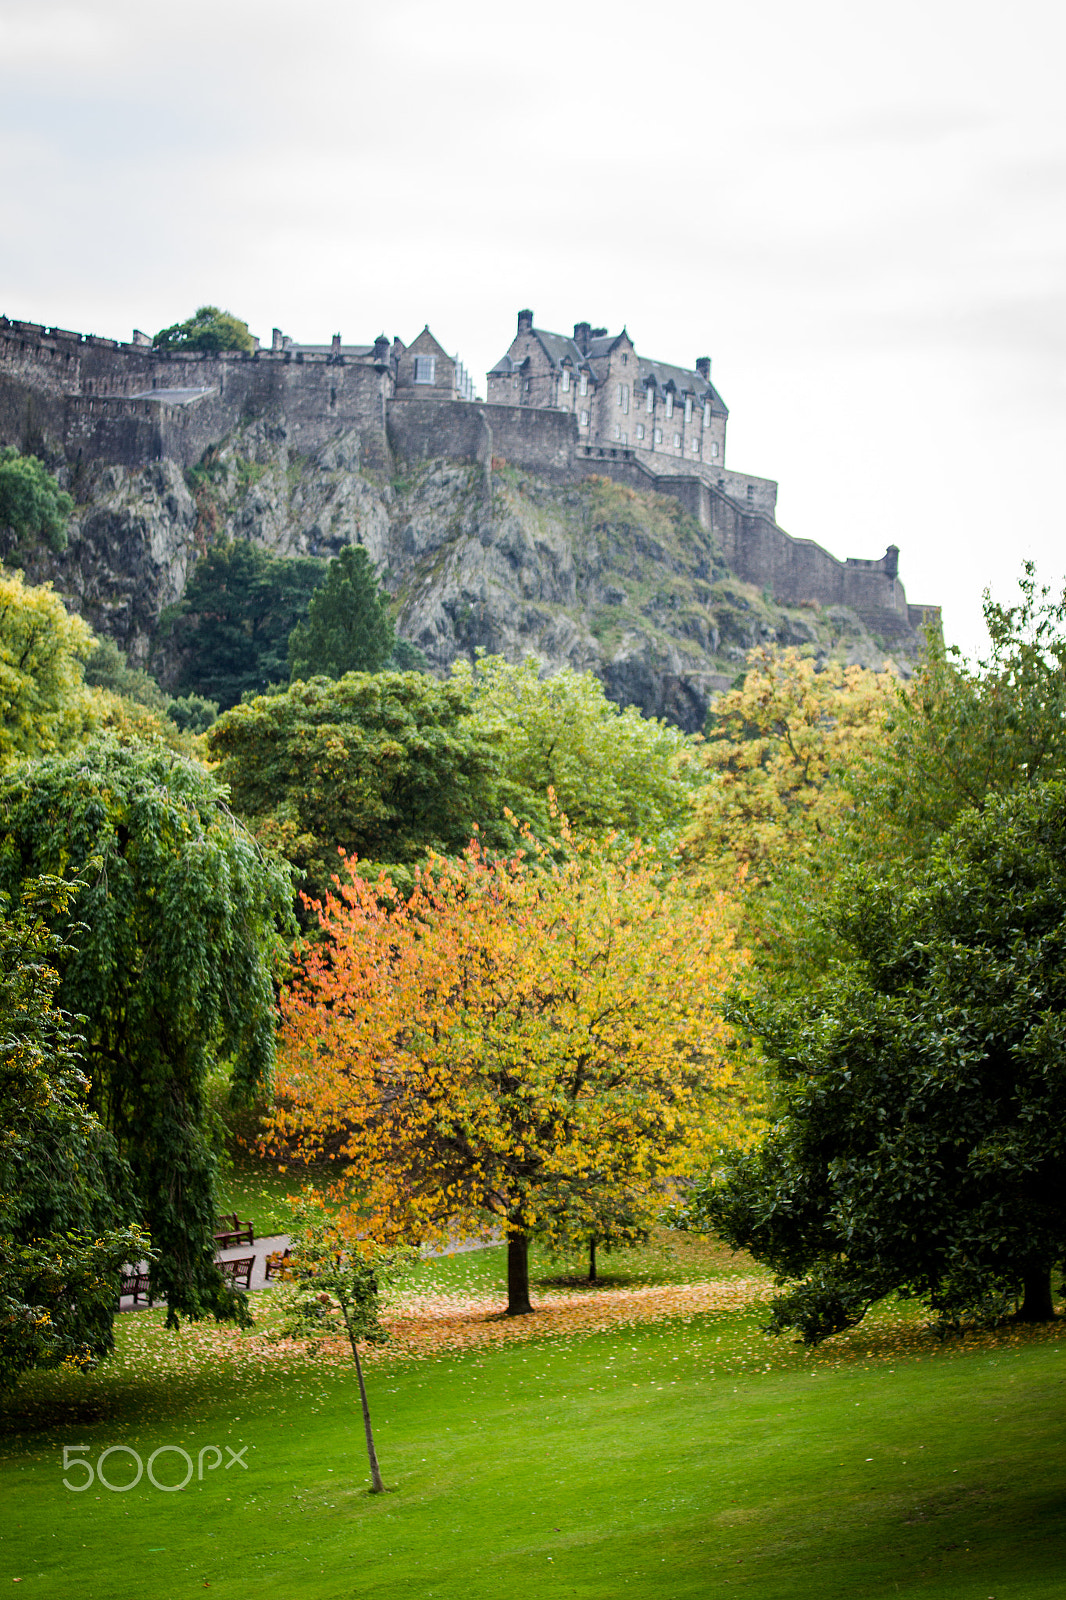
(83, 400)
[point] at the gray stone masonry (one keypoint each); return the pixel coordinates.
(79, 400)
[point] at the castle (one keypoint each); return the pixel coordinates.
(558, 408)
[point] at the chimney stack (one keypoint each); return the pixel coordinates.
(582, 330)
(277, 339)
(703, 367)
(525, 322)
(336, 344)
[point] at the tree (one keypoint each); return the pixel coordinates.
(332, 1285)
(387, 766)
(239, 607)
(782, 754)
(43, 704)
(923, 1145)
(960, 734)
(781, 749)
(611, 769)
(517, 1033)
(170, 964)
(32, 505)
(207, 329)
(348, 628)
(65, 1199)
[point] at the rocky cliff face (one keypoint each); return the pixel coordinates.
(591, 575)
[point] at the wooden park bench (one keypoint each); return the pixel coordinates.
(275, 1264)
(233, 1231)
(238, 1271)
(136, 1284)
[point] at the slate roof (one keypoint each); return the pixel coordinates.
(559, 347)
(685, 380)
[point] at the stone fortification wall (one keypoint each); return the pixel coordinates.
(543, 442)
(84, 399)
(795, 571)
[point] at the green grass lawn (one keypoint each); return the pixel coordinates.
(259, 1190)
(691, 1457)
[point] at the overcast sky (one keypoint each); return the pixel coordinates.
(856, 211)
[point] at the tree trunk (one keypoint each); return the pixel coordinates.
(1036, 1304)
(376, 1485)
(592, 1258)
(517, 1273)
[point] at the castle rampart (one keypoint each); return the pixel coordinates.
(84, 399)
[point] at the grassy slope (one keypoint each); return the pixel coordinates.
(688, 1458)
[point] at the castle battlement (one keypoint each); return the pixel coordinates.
(558, 407)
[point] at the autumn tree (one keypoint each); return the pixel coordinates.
(43, 704)
(516, 1033)
(781, 756)
(168, 957)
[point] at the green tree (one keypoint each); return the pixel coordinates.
(106, 667)
(43, 703)
(611, 769)
(923, 1144)
(32, 505)
(332, 1286)
(65, 1197)
(207, 329)
(238, 610)
(387, 766)
(170, 964)
(348, 628)
(959, 734)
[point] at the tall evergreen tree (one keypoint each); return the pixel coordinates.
(348, 628)
(241, 605)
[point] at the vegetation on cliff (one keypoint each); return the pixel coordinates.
(207, 329)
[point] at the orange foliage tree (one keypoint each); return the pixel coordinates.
(518, 1040)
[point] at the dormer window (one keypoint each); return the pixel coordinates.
(669, 402)
(583, 387)
(425, 369)
(649, 400)
(565, 384)
(688, 408)
(707, 415)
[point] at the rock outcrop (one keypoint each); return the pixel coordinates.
(590, 574)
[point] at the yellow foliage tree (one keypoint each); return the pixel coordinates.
(44, 707)
(517, 1042)
(781, 749)
(781, 753)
